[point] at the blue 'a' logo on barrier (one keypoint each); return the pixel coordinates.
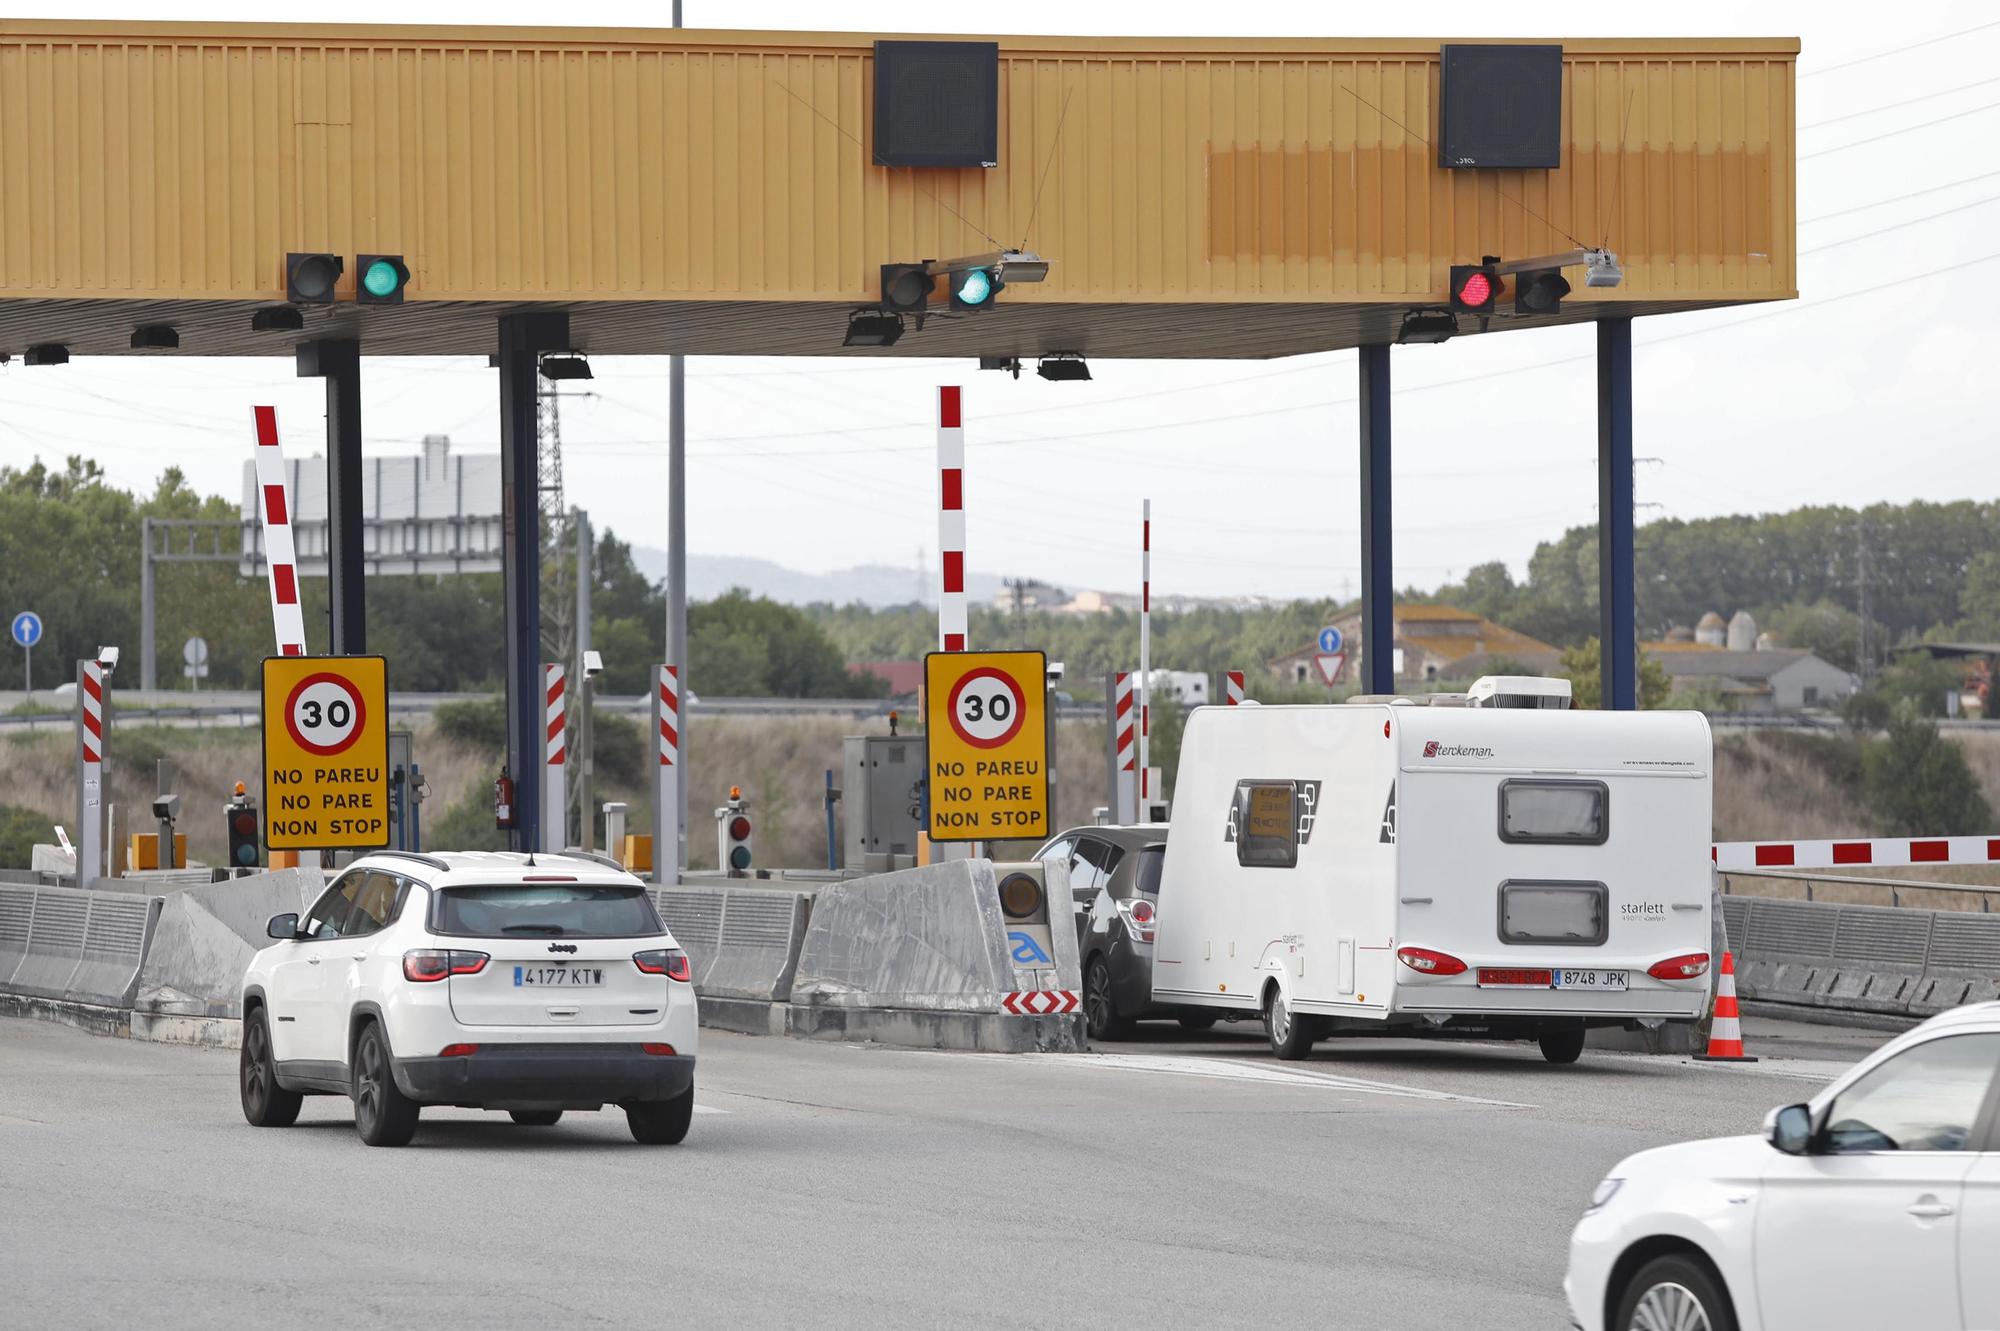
(1026, 950)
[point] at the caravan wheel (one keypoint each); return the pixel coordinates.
(1291, 1033)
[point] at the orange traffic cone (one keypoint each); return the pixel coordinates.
(1725, 1033)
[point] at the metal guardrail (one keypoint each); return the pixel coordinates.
(74, 945)
(1895, 887)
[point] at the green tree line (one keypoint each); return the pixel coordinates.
(69, 549)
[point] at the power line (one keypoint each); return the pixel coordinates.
(1894, 133)
(1900, 198)
(1884, 55)
(1895, 106)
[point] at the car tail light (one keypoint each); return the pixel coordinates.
(457, 1050)
(670, 962)
(1690, 967)
(1426, 962)
(664, 1050)
(1143, 915)
(427, 965)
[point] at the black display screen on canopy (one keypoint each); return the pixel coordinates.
(937, 104)
(1500, 107)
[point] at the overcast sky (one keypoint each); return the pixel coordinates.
(1840, 397)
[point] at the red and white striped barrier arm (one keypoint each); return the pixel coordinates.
(951, 523)
(1232, 687)
(1884, 852)
(280, 555)
(555, 791)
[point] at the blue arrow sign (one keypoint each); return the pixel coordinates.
(1329, 640)
(27, 628)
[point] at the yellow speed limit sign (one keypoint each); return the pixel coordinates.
(986, 737)
(326, 752)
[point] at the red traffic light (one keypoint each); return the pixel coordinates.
(1474, 289)
(244, 823)
(739, 828)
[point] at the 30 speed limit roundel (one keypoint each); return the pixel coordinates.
(324, 713)
(987, 708)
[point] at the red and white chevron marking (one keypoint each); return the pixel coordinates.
(1040, 1002)
(1232, 687)
(1121, 696)
(280, 555)
(553, 683)
(90, 685)
(1889, 852)
(670, 715)
(951, 522)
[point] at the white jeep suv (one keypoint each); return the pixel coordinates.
(533, 984)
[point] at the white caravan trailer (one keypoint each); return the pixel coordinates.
(1487, 864)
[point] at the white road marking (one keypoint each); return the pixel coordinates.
(1221, 1069)
(709, 1109)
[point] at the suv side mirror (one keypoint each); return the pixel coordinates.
(283, 926)
(1789, 1129)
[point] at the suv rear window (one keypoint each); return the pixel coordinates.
(1151, 861)
(550, 910)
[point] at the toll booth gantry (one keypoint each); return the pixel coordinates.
(654, 192)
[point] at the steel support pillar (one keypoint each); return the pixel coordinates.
(149, 672)
(1618, 632)
(523, 338)
(674, 841)
(338, 361)
(1378, 593)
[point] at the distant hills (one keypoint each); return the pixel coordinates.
(869, 584)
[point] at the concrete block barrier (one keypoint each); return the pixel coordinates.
(206, 936)
(926, 957)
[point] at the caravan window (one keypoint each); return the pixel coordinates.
(1555, 813)
(1267, 825)
(1566, 914)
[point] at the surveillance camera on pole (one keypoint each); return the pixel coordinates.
(107, 657)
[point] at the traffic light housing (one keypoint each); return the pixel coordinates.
(1475, 288)
(243, 833)
(1540, 291)
(310, 278)
(380, 279)
(975, 288)
(732, 834)
(907, 287)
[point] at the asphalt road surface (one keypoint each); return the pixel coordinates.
(1168, 1181)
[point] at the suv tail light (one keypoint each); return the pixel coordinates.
(1426, 962)
(662, 1050)
(1143, 916)
(670, 962)
(458, 1051)
(427, 965)
(1690, 967)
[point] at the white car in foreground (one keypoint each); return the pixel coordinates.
(532, 984)
(1874, 1205)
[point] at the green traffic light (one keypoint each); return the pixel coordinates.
(976, 287)
(739, 858)
(381, 279)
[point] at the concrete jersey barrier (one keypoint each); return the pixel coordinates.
(206, 936)
(930, 938)
(1863, 958)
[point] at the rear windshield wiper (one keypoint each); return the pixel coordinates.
(554, 929)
